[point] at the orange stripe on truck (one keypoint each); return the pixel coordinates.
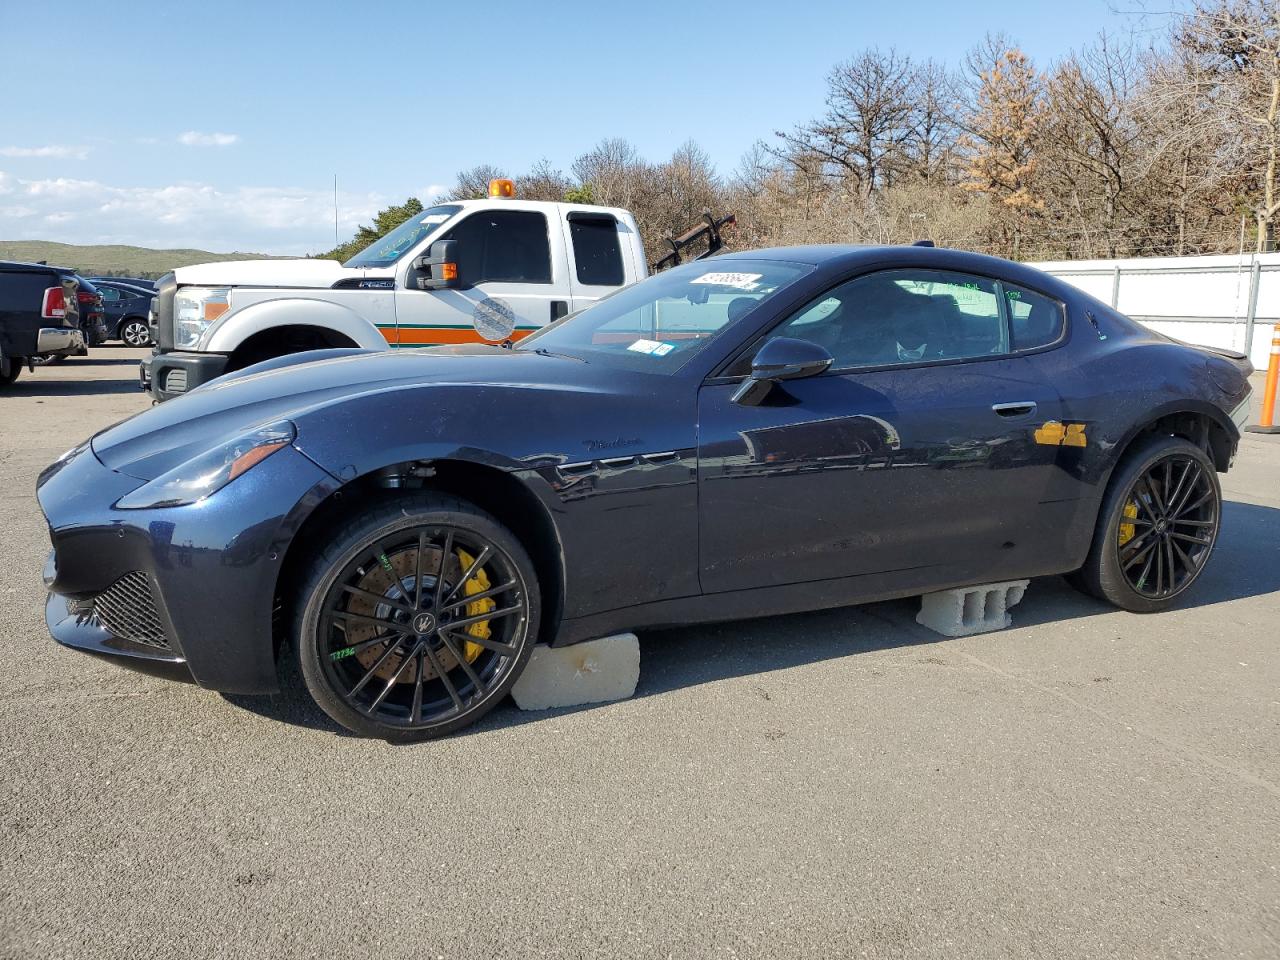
(429, 336)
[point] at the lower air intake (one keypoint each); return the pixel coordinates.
(127, 609)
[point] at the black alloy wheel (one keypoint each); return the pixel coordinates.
(1157, 527)
(1171, 523)
(421, 623)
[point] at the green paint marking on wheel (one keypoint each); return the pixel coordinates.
(340, 654)
(382, 558)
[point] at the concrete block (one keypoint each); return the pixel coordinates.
(592, 672)
(969, 610)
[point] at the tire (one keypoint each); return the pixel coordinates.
(134, 332)
(15, 370)
(371, 606)
(1146, 553)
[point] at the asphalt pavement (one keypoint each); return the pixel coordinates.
(1087, 783)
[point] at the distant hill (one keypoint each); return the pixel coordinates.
(114, 260)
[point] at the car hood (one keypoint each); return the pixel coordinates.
(164, 436)
(271, 273)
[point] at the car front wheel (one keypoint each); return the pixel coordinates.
(1157, 527)
(417, 618)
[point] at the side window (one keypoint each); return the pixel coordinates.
(507, 246)
(1034, 319)
(596, 249)
(903, 316)
(109, 294)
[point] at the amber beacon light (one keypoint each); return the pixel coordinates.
(502, 187)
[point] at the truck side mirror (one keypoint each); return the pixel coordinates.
(441, 267)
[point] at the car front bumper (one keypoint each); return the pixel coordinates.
(59, 340)
(176, 591)
(169, 375)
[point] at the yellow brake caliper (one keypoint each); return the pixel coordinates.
(1127, 530)
(479, 583)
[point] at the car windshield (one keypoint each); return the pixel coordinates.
(660, 324)
(386, 250)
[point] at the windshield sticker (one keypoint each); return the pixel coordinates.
(654, 348)
(742, 281)
(435, 218)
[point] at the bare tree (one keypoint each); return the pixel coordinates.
(868, 123)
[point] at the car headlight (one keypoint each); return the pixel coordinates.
(195, 309)
(212, 470)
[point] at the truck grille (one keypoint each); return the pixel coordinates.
(127, 609)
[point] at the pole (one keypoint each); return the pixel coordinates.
(1255, 281)
(336, 241)
(1266, 423)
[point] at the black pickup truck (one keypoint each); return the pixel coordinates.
(39, 315)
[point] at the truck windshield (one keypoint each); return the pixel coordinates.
(658, 325)
(386, 250)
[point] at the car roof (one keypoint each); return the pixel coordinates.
(837, 257)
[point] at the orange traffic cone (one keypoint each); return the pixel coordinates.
(1266, 423)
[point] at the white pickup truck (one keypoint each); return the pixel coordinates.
(511, 263)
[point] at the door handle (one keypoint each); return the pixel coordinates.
(558, 309)
(1018, 408)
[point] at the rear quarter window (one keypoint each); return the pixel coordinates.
(1034, 319)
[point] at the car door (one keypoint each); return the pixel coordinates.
(507, 265)
(916, 450)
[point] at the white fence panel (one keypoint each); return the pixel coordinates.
(1218, 301)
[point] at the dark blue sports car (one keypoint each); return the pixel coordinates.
(753, 434)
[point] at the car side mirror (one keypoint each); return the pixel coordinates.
(783, 358)
(441, 266)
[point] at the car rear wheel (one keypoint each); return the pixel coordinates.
(417, 618)
(135, 333)
(1157, 527)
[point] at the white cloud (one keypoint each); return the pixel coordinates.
(194, 138)
(432, 191)
(49, 152)
(286, 220)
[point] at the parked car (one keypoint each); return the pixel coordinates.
(39, 316)
(141, 284)
(512, 260)
(126, 308)
(757, 434)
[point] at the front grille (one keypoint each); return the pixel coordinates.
(127, 609)
(175, 381)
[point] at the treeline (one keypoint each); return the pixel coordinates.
(1113, 150)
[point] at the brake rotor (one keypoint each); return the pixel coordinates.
(393, 578)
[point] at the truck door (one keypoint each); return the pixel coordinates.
(508, 263)
(597, 262)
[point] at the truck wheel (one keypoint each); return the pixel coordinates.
(12, 370)
(417, 618)
(1157, 527)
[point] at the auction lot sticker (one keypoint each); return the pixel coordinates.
(743, 281)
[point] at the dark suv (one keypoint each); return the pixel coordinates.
(40, 315)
